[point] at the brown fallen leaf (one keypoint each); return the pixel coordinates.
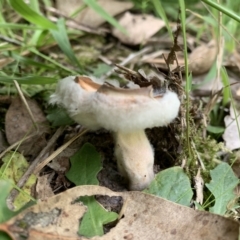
(19, 124)
(43, 188)
(88, 16)
(3, 142)
(140, 27)
(233, 61)
(202, 58)
(143, 217)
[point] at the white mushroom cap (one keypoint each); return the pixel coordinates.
(127, 110)
(114, 109)
(76, 100)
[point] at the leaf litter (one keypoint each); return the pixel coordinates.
(143, 216)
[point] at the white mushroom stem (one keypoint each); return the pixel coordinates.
(135, 158)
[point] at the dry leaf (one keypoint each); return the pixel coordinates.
(43, 188)
(202, 58)
(140, 27)
(3, 142)
(18, 124)
(88, 16)
(231, 136)
(233, 61)
(143, 217)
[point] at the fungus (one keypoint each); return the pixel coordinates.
(126, 113)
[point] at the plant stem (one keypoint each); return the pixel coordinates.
(188, 83)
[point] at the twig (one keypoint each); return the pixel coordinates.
(16, 144)
(10, 40)
(127, 60)
(58, 151)
(38, 159)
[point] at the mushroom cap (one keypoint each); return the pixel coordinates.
(103, 106)
(76, 100)
(129, 110)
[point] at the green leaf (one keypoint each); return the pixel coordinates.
(58, 117)
(5, 214)
(221, 186)
(99, 10)
(172, 184)
(100, 70)
(85, 165)
(4, 236)
(26, 12)
(95, 217)
(61, 38)
(215, 129)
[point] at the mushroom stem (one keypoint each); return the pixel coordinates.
(135, 158)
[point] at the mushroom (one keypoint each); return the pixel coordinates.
(126, 113)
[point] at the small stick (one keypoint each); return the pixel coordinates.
(58, 151)
(16, 144)
(38, 159)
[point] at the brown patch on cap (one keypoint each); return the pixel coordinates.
(87, 84)
(113, 91)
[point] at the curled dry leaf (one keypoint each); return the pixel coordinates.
(203, 57)
(140, 27)
(88, 16)
(199, 184)
(18, 124)
(146, 217)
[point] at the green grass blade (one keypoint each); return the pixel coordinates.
(35, 5)
(19, 26)
(51, 60)
(62, 39)
(223, 9)
(32, 63)
(30, 15)
(188, 83)
(28, 79)
(99, 10)
(160, 11)
(226, 89)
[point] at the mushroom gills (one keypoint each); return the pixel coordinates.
(135, 158)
